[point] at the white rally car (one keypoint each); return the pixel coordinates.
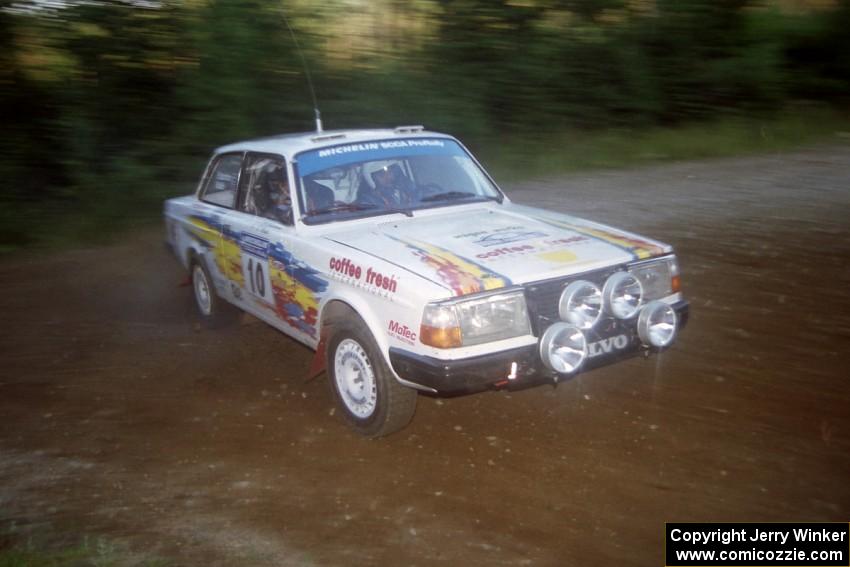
(396, 257)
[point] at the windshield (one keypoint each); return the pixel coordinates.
(388, 176)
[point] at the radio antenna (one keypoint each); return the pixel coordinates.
(307, 74)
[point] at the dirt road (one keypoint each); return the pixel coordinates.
(121, 417)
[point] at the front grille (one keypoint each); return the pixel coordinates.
(543, 297)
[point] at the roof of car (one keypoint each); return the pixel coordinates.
(290, 144)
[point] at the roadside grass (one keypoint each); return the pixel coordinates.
(97, 552)
(57, 226)
(617, 148)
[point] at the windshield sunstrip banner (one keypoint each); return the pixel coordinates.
(317, 160)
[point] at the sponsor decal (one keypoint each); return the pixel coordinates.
(254, 245)
(505, 250)
(312, 161)
(223, 243)
(558, 256)
(507, 236)
(371, 146)
(566, 240)
(460, 274)
(471, 234)
(296, 289)
(607, 346)
(268, 272)
(347, 149)
(402, 332)
(346, 267)
(544, 249)
(381, 281)
(638, 248)
(370, 277)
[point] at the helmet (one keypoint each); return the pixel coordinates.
(276, 182)
(276, 173)
(373, 167)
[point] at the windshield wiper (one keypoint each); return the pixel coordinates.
(448, 196)
(342, 207)
(356, 207)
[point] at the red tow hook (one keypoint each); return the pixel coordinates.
(185, 281)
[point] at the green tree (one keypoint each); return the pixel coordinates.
(243, 76)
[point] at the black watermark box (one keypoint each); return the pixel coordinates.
(757, 544)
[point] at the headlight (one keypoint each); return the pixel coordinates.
(659, 278)
(581, 304)
(475, 321)
(623, 294)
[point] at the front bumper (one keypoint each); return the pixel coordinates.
(493, 370)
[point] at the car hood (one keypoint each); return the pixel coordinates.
(491, 247)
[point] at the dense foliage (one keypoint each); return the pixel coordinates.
(108, 105)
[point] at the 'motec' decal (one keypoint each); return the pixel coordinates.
(402, 332)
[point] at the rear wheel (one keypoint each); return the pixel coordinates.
(371, 399)
(214, 311)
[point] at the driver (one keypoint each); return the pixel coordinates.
(390, 187)
(279, 204)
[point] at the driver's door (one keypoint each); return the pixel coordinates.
(263, 221)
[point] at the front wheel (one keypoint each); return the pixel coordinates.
(371, 399)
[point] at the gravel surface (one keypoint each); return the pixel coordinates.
(123, 418)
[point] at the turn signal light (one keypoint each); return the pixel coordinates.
(440, 337)
(676, 284)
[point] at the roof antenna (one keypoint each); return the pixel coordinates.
(319, 129)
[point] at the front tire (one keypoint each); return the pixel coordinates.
(214, 311)
(370, 398)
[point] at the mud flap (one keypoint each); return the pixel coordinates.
(317, 366)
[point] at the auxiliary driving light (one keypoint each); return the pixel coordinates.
(581, 304)
(622, 294)
(563, 348)
(657, 324)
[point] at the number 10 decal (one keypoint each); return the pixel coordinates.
(255, 266)
(256, 276)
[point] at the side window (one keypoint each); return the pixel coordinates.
(265, 188)
(223, 182)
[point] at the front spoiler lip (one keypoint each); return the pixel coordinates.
(492, 369)
(466, 374)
